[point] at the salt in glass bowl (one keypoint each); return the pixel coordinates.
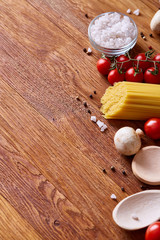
(110, 52)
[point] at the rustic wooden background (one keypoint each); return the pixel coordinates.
(52, 184)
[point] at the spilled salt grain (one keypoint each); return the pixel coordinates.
(100, 124)
(89, 50)
(93, 118)
(136, 12)
(129, 10)
(113, 30)
(104, 127)
(113, 196)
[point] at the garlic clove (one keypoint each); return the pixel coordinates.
(155, 22)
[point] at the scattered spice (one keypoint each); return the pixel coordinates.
(91, 96)
(84, 50)
(53, 119)
(134, 217)
(144, 37)
(124, 173)
(95, 92)
(56, 222)
(85, 104)
(100, 124)
(128, 11)
(150, 47)
(143, 187)
(89, 111)
(150, 35)
(104, 127)
(136, 12)
(113, 168)
(122, 188)
(89, 51)
(104, 171)
(86, 15)
(141, 33)
(93, 119)
(77, 98)
(113, 196)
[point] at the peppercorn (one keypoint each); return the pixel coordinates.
(143, 187)
(84, 50)
(141, 33)
(150, 35)
(89, 111)
(122, 188)
(91, 96)
(86, 15)
(124, 173)
(113, 168)
(104, 171)
(150, 47)
(85, 104)
(94, 92)
(77, 98)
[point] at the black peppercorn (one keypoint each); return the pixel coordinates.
(86, 15)
(91, 96)
(104, 171)
(94, 92)
(122, 188)
(124, 173)
(89, 111)
(113, 168)
(84, 50)
(85, 104)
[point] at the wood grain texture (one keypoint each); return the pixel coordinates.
(51, 154)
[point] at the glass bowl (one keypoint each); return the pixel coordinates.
(110, 52)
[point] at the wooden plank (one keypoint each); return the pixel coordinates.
(60, 91)
(88, 189)
(37, 200)
(55, 167)
(13, 226)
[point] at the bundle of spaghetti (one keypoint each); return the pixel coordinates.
(132, 101)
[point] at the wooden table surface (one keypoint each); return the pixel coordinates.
(52, 184)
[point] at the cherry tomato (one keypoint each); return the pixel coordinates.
(126, 65)
(134, 75)
(142, 65)
(152, 75)
(152, 128)
(157, 58)
(103, 65)
(115, 76)
(153, 232)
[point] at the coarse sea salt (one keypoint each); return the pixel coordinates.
(93, 118)
(113, 196)
(100, 124)
(136, 12)
(113, 30)
(129, 10)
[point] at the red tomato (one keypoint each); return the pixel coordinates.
(152, 75)
(126, 65)
(133, 75)
(115, 76)
(153, 232)
(152, 128)
(103, 65)
(142, 65)
(157, 58)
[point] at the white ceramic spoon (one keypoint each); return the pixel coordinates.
(146, 165)
(138, 210)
